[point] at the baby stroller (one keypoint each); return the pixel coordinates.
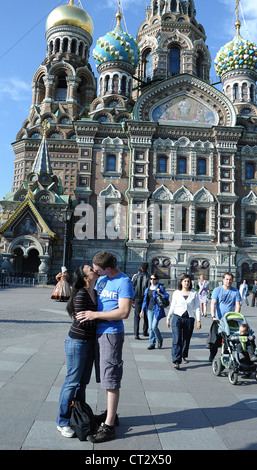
(230, 358)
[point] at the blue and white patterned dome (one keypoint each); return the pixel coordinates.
(116, 46)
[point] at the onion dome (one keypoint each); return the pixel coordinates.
(116, 46)
(70, 15)
(236, 54)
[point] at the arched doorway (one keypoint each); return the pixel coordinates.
(26, 265)
(250, 274)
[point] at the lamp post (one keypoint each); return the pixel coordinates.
(67, 213)
(229, 256)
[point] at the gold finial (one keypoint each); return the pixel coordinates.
(238, 23)
(45, 126)
(72, 2)
(118, 16)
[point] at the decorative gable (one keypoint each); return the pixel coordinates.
(185, 100)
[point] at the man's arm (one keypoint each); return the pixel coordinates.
(120, 313)
(213, 307)
(238, 306)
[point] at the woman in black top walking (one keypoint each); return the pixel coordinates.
(79, 346)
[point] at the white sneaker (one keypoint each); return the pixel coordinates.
(66, 431)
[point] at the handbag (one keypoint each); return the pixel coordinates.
(162, 302)
(82, 420)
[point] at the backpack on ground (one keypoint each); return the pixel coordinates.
(82, 420)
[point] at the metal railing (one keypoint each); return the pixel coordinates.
(7, 280)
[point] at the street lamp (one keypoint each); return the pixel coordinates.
(67, 213)
(229, 255)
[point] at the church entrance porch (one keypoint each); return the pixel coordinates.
(26, 265)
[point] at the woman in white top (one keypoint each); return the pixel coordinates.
(203, 295)
(184, 308)
(243, 289)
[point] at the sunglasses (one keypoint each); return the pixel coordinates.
(153, 278)
(81, 268)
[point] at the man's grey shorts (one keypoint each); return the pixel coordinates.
(109, 360)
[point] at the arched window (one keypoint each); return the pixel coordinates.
(115, 84)
(252, 95)
(123, 85)
(81, 49)
(65, 45)
(201, 170)
(249, 170)
(201, 219)
(250, 223)
(184, 219)
(245, 92)
(51, 48)
(57, 45)
(61, 89)
(182, 165)
(236, 92)
(173, 5)
(148, 64)
(174, 61)
(73, 46)
(106, 84)
(199, 66)
(162, 165)
(111, 163)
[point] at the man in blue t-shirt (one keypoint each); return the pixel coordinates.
(224, 299)
(114, 300)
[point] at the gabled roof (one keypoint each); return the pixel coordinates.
(25, 204)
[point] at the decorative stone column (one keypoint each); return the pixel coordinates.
(43, 269)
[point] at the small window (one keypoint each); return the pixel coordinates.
(148, 65)
(250, 224)
(249, 171)
(162, 165)
(184, 219)
(83, 181)
(182, 165)
(202, 166)
(201, 221)
(236, 92)
(174, 61)
(111, 163)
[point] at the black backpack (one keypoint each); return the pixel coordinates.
(82, 420)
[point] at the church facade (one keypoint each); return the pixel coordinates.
(156, 163)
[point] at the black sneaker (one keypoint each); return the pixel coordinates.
(102, 417)
(104, 433)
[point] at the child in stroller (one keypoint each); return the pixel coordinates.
(244, 342)
(237, 350)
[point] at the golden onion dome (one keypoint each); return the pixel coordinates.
(70, 15)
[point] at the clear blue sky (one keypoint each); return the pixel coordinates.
(23, 48)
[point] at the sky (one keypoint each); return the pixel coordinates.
(23, 49)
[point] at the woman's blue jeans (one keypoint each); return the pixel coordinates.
(80, 356)
(182, 329)
(154, 332)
